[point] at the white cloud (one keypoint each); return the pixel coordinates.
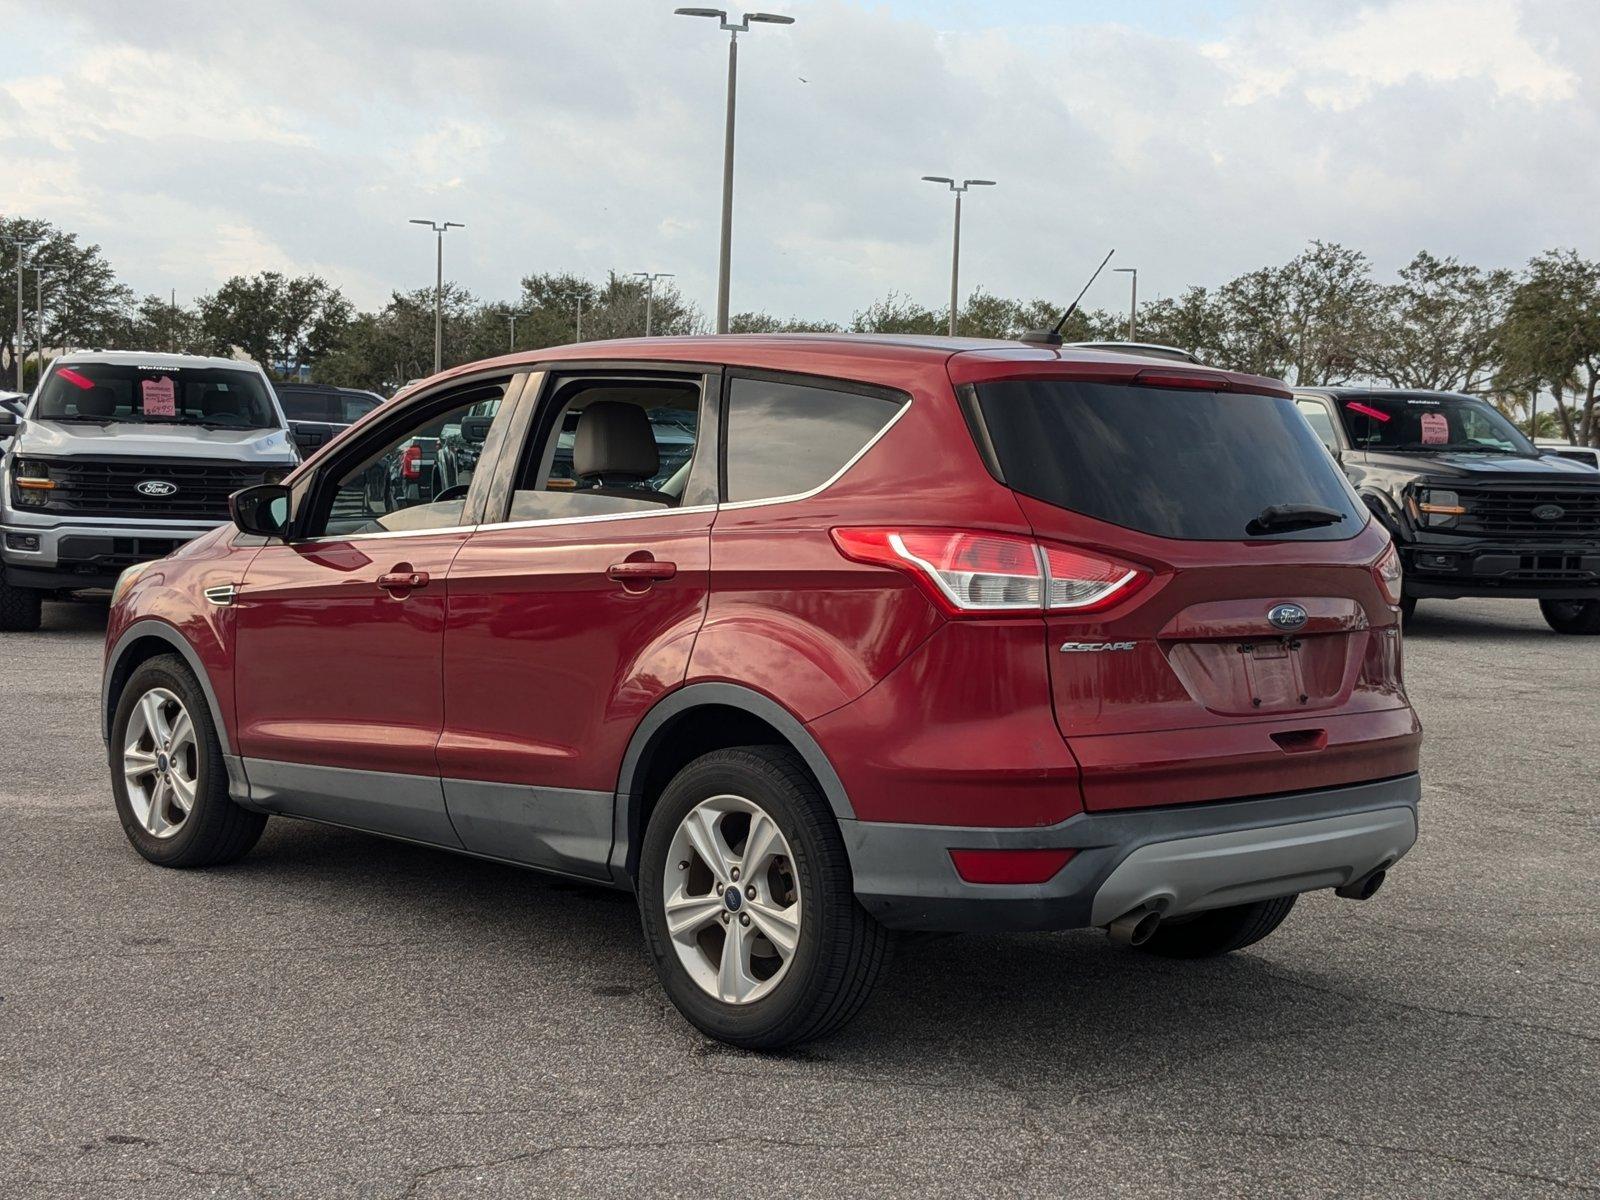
(194, 141)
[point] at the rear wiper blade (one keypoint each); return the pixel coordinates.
(1278, 517)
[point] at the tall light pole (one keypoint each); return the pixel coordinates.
(38, 313)
(438, 289)
(955, 252)
(1133, 301)
(724, 263)
(650, 295)
(514, 317)
(21, 245)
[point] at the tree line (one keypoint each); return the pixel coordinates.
(1524, 339)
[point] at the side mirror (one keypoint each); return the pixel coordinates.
(262, 510)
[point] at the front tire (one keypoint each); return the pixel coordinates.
(1581, 617)
(1220, 930)
(792, 955)
(20, 607)
(167, 773)
(1408, 609)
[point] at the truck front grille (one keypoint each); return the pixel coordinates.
(196, 490)
(1530, 512)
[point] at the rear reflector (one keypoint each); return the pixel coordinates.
(1009, 866)
(969, 572)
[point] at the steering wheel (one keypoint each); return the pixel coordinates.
(458, 492)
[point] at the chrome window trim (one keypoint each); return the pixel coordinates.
(387, 533)
(632, 516)
(832, 479)
(593, 517)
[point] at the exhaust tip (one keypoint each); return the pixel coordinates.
(1134, 928)
(1364, 888)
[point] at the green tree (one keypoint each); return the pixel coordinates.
(157, 323)
(84, 305)
(1551, 338)
(1439, 327)
(284, 323)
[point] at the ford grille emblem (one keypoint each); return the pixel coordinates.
(1287, 617)
(156, 487)
(1549, 512)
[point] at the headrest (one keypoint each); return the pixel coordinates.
(214, 402)
(98, 401)
(614, 441)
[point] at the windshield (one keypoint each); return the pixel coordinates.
(214, 397)
(1177, 463)
(1424, 424)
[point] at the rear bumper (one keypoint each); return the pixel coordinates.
(1179, 859)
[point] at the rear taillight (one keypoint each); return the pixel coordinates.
(1387, 572)
(410, 462)
(968, 572)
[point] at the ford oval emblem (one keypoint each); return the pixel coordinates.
(1287, 617)
(156, 487)
(1549, 512)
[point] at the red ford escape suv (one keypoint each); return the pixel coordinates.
(803, 640)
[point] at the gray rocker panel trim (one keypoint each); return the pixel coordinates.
(406, 806)
(630, 780)
(160, 629)
(556, 829)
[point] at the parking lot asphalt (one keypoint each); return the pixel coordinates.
(343, 1016)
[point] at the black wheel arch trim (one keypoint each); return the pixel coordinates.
(138, 631)
(646, 738)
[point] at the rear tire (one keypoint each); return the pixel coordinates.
(195, 822)
(1408, 609)
(1219, 931)
(1581, 617)
(838, 951)
(20, 607)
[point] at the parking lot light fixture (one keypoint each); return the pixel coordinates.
(725, 257)
(1133, 301)
(650, 295)
(438, 228)
(513, 317)
(21, 245)
(955, 252)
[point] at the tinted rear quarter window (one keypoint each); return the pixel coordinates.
(786, 439)
(1172, 462)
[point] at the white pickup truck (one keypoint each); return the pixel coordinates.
(121, 457)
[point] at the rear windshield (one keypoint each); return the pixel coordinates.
(1203, 466)
(214, 397)
(1428, 424)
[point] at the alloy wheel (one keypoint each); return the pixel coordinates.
(161, 763)
(732, 899)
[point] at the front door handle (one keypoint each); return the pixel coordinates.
(402, 580)
(644, 571)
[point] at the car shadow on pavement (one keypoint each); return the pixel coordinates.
(1438, 622)
(1047, 1008)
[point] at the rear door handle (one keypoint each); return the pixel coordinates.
(402, 580)
(646, 571)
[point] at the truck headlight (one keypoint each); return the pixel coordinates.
(1436, 507)
(31, 484)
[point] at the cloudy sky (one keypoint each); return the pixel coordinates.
(195, 139)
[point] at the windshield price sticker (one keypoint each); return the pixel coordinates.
(1435, 429)
(160, 397)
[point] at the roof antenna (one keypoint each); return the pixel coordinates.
(1052, 337)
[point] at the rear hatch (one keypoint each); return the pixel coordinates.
(1252, 650)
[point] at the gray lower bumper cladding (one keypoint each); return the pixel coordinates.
(1176, 860)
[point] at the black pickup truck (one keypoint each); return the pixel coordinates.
(316, 412)
(1475, 508)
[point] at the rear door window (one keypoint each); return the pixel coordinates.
(1321, 421)
(787, 439)
(1173, 462)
